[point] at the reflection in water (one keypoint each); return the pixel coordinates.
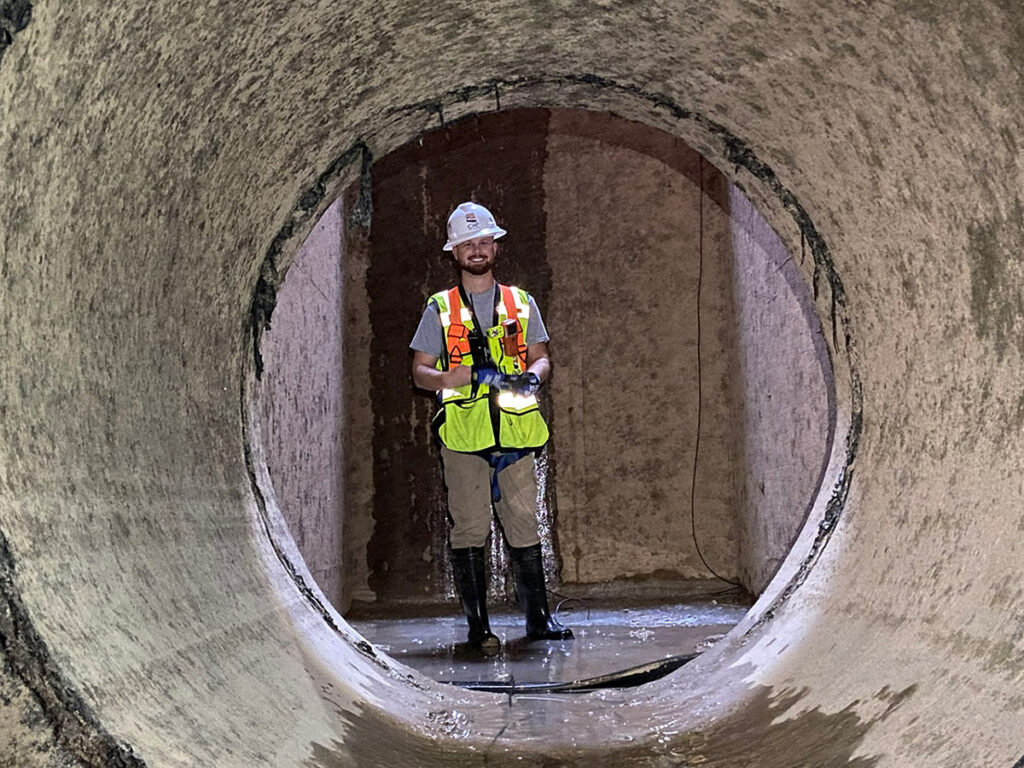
(608, 639)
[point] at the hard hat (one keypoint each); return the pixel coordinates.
(470, 221)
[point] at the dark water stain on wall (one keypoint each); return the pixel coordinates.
(997, 304)
(496, 160)
(14, 17)
(54, 715)
(811, 739)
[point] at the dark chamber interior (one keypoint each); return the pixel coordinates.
(614, 229)
(692, 403)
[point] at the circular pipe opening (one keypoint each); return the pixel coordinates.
(360, 198)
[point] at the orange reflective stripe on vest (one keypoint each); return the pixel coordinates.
(474, 418)
(457, 342)
(513, 343)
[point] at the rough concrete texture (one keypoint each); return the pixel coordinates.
(302, 403)
(787, 398)
(357, 432)
(158, 159)
(25, 733)
(650, 439)
(624, 320)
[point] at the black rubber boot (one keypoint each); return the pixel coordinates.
(468, 567)
(533, 596)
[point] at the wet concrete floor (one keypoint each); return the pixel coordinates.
(611, 636)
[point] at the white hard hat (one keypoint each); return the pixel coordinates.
(470, 221)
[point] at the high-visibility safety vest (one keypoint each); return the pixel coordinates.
(474, 418)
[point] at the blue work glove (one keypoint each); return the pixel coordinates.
(492, 377)
(524, 384)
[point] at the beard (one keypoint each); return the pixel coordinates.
(478, 269)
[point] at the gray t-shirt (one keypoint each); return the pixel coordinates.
(429, 338)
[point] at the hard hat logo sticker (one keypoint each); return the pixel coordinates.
(471, 221)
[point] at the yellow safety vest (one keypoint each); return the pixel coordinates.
(473, 418)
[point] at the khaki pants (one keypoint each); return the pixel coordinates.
(468, 478)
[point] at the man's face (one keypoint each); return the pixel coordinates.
(476, 256)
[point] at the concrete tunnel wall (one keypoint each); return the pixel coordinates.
(305, 407)
(160, 161)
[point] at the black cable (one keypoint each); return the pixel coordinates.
(560, 603)
(696, 446)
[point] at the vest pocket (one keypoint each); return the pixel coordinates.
(523, 430)
(467, 426)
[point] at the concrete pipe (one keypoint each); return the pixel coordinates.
(162, 162)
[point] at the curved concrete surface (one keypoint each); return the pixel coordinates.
(159, 158)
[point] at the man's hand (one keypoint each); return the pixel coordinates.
(492, 377)
(524, 384)
(521, 384)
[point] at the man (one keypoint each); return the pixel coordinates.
(483, 348)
